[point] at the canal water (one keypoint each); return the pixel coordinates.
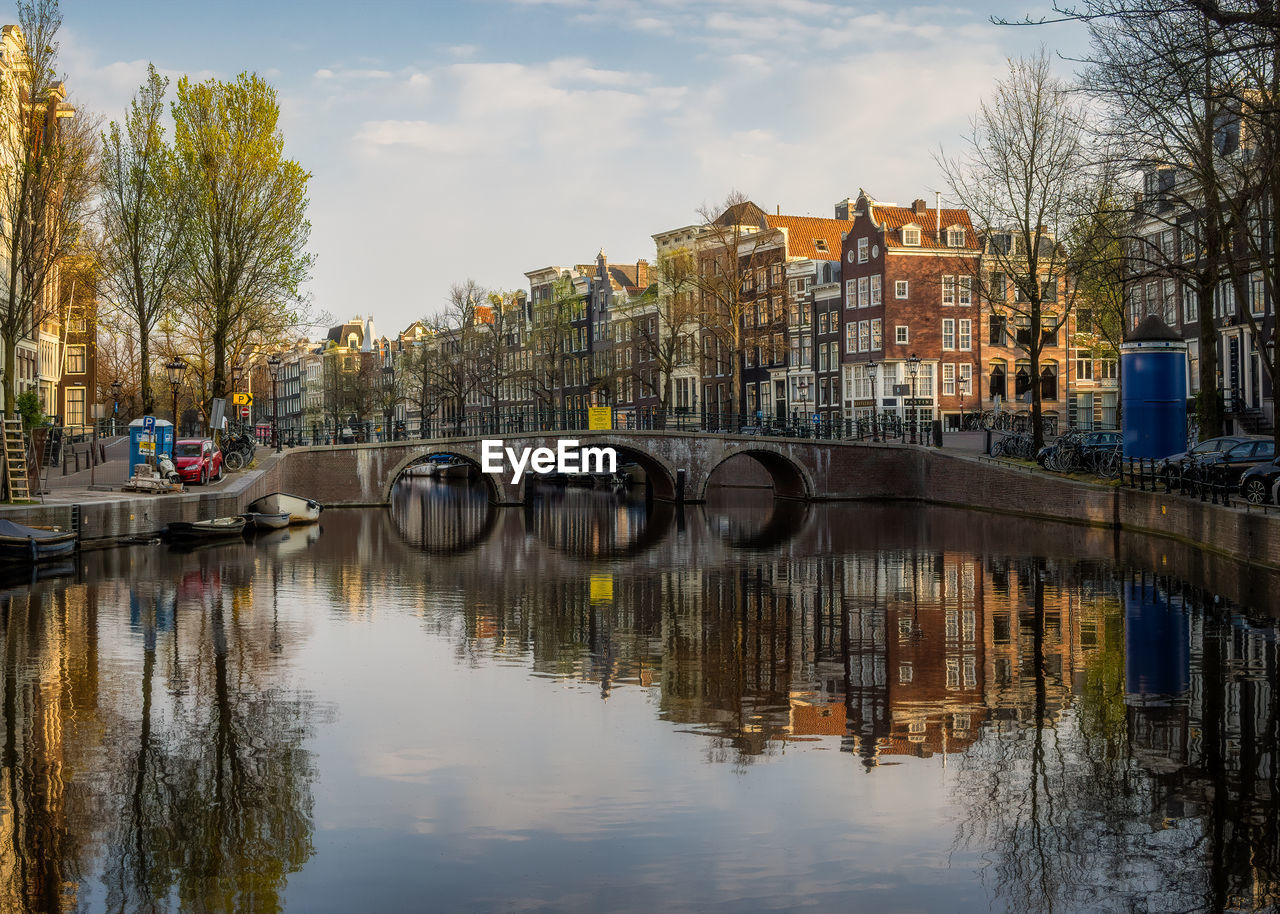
(594, 703)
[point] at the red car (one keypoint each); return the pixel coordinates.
(197, 460)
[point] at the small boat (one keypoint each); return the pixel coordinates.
(260, 521)
(634, 472)
(420, 470)
(300, 510)
(581, 480)
(456, 469)
(216, 528)
(30, 545)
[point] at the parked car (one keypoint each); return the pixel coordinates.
(1226, 467)
(1258, 483)
(197, 460)
(1174, 462)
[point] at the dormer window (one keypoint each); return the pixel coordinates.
(955, 237)
(911, 235)
(820, 244)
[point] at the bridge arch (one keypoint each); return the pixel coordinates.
(465, 451)
(790, 479)
(660, 475)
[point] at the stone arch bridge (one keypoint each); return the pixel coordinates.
(679, 465)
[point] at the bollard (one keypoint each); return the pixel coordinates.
(987, 450)
(937, 433)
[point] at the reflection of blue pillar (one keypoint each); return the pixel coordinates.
(1157, 648)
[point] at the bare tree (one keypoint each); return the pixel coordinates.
(1026, 180)
(454, 367)
(741, 302)
(144, 219)
(497, 341)
(46, 180)
(550, 344)
(670, 338)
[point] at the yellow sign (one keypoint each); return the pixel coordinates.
(146, 447)
(600, 417)
(601, 588)
(242, 399)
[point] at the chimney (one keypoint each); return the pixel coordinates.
(846, 208)
(919, 207)
(642, 274)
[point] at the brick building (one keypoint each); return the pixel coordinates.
(909, 290)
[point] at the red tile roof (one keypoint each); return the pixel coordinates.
(893, 218)
(804, 233)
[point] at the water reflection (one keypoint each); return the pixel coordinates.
(153, 751)
(935, 709)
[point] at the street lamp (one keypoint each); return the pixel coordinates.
(116, 388)
(913, 365)
(875, 424)
(273, 366)
(175, 367)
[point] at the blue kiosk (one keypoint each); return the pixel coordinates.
(1153, 372)
(149, 436)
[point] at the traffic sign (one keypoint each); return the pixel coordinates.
(244, 412)
(242, 399)
(817, 418)
(149, 424)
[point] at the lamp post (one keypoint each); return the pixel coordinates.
(175, 367)
(875, 423)
(913, 365)
(273, 366)
(116, 388)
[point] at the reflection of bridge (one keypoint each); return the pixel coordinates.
(679, 465)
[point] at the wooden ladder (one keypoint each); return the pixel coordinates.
(15, 460)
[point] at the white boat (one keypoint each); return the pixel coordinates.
(260, 521)
(300, 510)
(420, 470)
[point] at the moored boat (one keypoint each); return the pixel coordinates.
(300, 510)
(29, 545)
(419, 470)
(260, 521)
(215, 528)
(456, 469)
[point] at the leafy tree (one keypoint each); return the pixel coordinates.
(29, 408)
(246, 245)
(144, 220)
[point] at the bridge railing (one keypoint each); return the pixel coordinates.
(885, 427)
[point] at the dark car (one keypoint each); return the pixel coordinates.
(1209, 448)
(1258, 483)
(1094, 442)
(197, 460)
(1226, 467)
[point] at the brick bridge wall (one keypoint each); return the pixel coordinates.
(824, 470)
(679, 465)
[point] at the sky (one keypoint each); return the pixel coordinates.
(481, 139)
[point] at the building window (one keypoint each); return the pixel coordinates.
(1190, 305)
(1049, 382)
(877, 341)
(965, 342)
(955, 237)
(850, 292)
(75, 406)
(851, 337)
(900, 288)
(965, 296)
(1048, 331)
(864, 336)
(76, 359)
(864, 291)
(911, 237)
(875, 289)
(966, 379)
(997, 330)
(996, 387)
(948, 379)
(948, 334)
(1084, 365)
(900, 334)
(862, 250)
(948, 290)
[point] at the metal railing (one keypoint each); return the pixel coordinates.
(885, 427)
(1193, 481)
